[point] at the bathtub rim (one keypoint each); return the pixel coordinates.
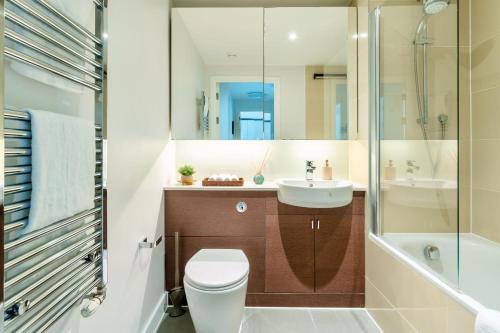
(456, 294)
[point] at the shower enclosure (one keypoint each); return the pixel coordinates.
(433, 93)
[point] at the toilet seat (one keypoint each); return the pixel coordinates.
(216, 269)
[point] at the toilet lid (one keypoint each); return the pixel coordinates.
(216, 269)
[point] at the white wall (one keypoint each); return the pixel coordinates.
(188, 73)
(287, 157)
(137, 168)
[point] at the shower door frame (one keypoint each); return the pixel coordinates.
(374, 121)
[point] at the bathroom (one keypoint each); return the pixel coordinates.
(250, 166)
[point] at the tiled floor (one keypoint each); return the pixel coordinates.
(289, 320)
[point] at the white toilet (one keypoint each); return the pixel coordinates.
(216, 284)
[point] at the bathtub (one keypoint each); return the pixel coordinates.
(477, 286)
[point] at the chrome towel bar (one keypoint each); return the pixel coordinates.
(25, 24)
(12, 54)
(48, 52)
(51, 228)
(144, 244)
(69, 21)
(68, 266)
(54, 25)
(77, 247)
(47, 271)
(54, 242)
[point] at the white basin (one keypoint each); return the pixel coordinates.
(315, 193)
(422, 193)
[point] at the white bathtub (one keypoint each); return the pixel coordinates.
(473, 279)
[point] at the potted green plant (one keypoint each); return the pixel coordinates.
(187, 173)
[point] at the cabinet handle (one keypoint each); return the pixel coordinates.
(312, 224)
(318, 223)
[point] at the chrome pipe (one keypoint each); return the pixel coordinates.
(8, 265)
(67, 306)
(26, 134)
(72, 278)
(39, 32)
(9, 171)
(16, 188)
(36, 268)
(9, 113)
(17, 134)
(27, 326)
(18, 38)
(2, 157)
(10, 227)
(54, 25)
(49, 229)
(75, 25)
(17, 152)
(16, 207)
(13, 114)
(12, 54)
(72, 272)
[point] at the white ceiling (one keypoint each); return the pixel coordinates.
(321, 36)
(217, 32)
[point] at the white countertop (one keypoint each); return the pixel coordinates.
(249, 186)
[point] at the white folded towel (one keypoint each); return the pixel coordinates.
(63, 167)
(487, 321)
(223, 177)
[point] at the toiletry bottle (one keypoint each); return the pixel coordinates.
(327, 171)
(390, 171)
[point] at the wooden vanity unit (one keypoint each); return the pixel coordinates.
(298, 256)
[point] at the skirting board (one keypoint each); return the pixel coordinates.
(156, 317)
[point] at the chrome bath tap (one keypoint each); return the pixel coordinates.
(310, 170)
(411, 168)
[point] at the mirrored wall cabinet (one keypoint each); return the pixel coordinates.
(264, 73)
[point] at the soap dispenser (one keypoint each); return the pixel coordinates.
(327, 171)
(390, 171)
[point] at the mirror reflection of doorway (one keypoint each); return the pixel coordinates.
(246, 110)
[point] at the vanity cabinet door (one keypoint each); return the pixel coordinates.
(289, 254)
(339, 253)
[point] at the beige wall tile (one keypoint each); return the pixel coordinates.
(401, 300)
(439, 27)
(314, 103)
(486, 115)
(485, 87)
(358, 161)
(375, 299)
(486, 164)
(485, 64)
(390, 321)
(484, 18)
(401, 286)
(428, 320)
(405, 219)
(464, 13)
(459, 320)
(486, 210)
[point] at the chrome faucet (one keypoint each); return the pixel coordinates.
(411, 168)
(310, 170)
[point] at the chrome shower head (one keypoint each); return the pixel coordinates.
(432, 7)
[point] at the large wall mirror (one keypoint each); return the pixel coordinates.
(264, 73)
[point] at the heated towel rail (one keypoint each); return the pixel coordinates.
(49, 270)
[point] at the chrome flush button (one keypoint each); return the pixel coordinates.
(241, 207)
